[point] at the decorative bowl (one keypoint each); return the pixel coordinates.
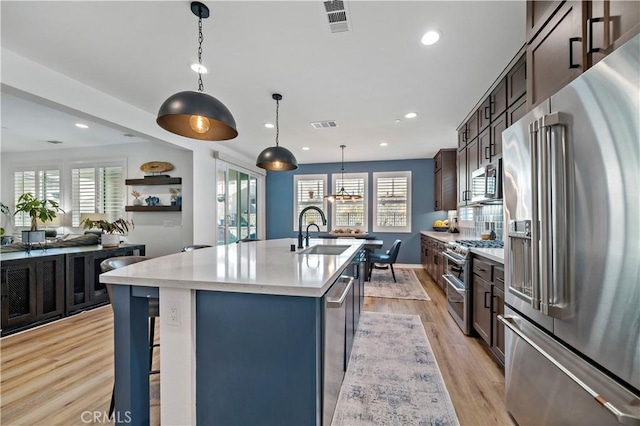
(441, 228)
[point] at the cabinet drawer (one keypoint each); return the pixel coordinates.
(482, 269)
(498, 277)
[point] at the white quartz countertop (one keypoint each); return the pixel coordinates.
(495, 254)
(263, 267)
(445, 237)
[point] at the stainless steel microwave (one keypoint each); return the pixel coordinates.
(486, 183)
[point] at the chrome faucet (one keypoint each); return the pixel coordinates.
(306, 238)
(324, 222)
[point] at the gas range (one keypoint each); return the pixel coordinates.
(461, 247)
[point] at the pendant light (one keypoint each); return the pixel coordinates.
(197, 115)
(343, 194)
(277, 158)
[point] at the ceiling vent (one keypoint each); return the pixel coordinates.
(55, 142)
(324, 124)
(337, 16)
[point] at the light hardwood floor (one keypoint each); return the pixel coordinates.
(61, 373)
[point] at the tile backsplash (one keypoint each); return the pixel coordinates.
(483, 216)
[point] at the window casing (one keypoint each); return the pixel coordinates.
(350, 214)
(42, 183)
(309, 190)
(392, 202)
(97, 189)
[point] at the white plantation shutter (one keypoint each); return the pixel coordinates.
(350, 214)
(43, 184)
(97, 190)
(392, 204)
(309, 190)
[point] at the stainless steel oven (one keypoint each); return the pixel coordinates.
(457, 277)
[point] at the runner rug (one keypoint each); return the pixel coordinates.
(407, 286)
(393, 377)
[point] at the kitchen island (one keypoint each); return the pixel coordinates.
(243, 331)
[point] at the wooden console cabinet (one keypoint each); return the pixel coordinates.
(50, 284)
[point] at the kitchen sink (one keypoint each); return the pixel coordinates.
(325, 249)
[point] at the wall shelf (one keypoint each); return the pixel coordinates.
(155, 180)
(153, 208)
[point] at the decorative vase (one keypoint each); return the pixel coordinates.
(110, 240)
(137, 202)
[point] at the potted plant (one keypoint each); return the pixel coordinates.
(137, 201)
(43, 210)
(111, 230)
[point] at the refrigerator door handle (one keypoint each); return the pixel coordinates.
(534, 132)
(624, 418)
(556, 207)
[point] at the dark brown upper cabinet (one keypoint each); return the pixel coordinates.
(557, 55)
(462, 136)
(538, 14)
(517, 81)
(497, 127)
(445, 180)
(498, 99)
(610, 24)
(484, 146)
(472, 127)
(484, 114)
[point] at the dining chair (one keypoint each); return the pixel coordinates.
(154, 309)
(387, 258)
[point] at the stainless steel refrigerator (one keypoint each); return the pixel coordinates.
(571, 204)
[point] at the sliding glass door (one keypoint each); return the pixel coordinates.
(237, 206)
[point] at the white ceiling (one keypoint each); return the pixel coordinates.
(140, 52)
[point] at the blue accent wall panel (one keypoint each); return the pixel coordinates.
(257, 359)
(279, 197)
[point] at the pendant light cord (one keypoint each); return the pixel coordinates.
(277, 120)
(342, 168)
(200, 40)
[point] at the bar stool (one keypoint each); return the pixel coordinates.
(154, 309)
(194, 247)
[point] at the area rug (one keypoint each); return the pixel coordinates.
(407, 287)
(393, 377)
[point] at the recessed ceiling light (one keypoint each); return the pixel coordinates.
(199, 68)
(410, 115)
(430, 37)
(398, 120)
(269, 125)
(305, 148)
(383, 144)
(82, 126)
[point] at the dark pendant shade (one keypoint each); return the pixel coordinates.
(277, 158)
(197, 115)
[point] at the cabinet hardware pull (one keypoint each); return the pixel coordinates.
(486, 293)
(492, 150)
(500, 279)
(466, 134)
(492, 104)
(494, 304)
(480, 269)
(571, 41)
(487, 153)
(590, 48)
(487, 111)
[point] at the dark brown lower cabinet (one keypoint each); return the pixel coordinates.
(432, 259)
(482, 308)
(497, 340)
(32, 291)
(488, 303)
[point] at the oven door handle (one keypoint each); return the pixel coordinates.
(453, 284)
(453, 259)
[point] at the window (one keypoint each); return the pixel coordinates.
(350, 214)
(44, 184)
(392, 204)
(309, 190)
(97, 189)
